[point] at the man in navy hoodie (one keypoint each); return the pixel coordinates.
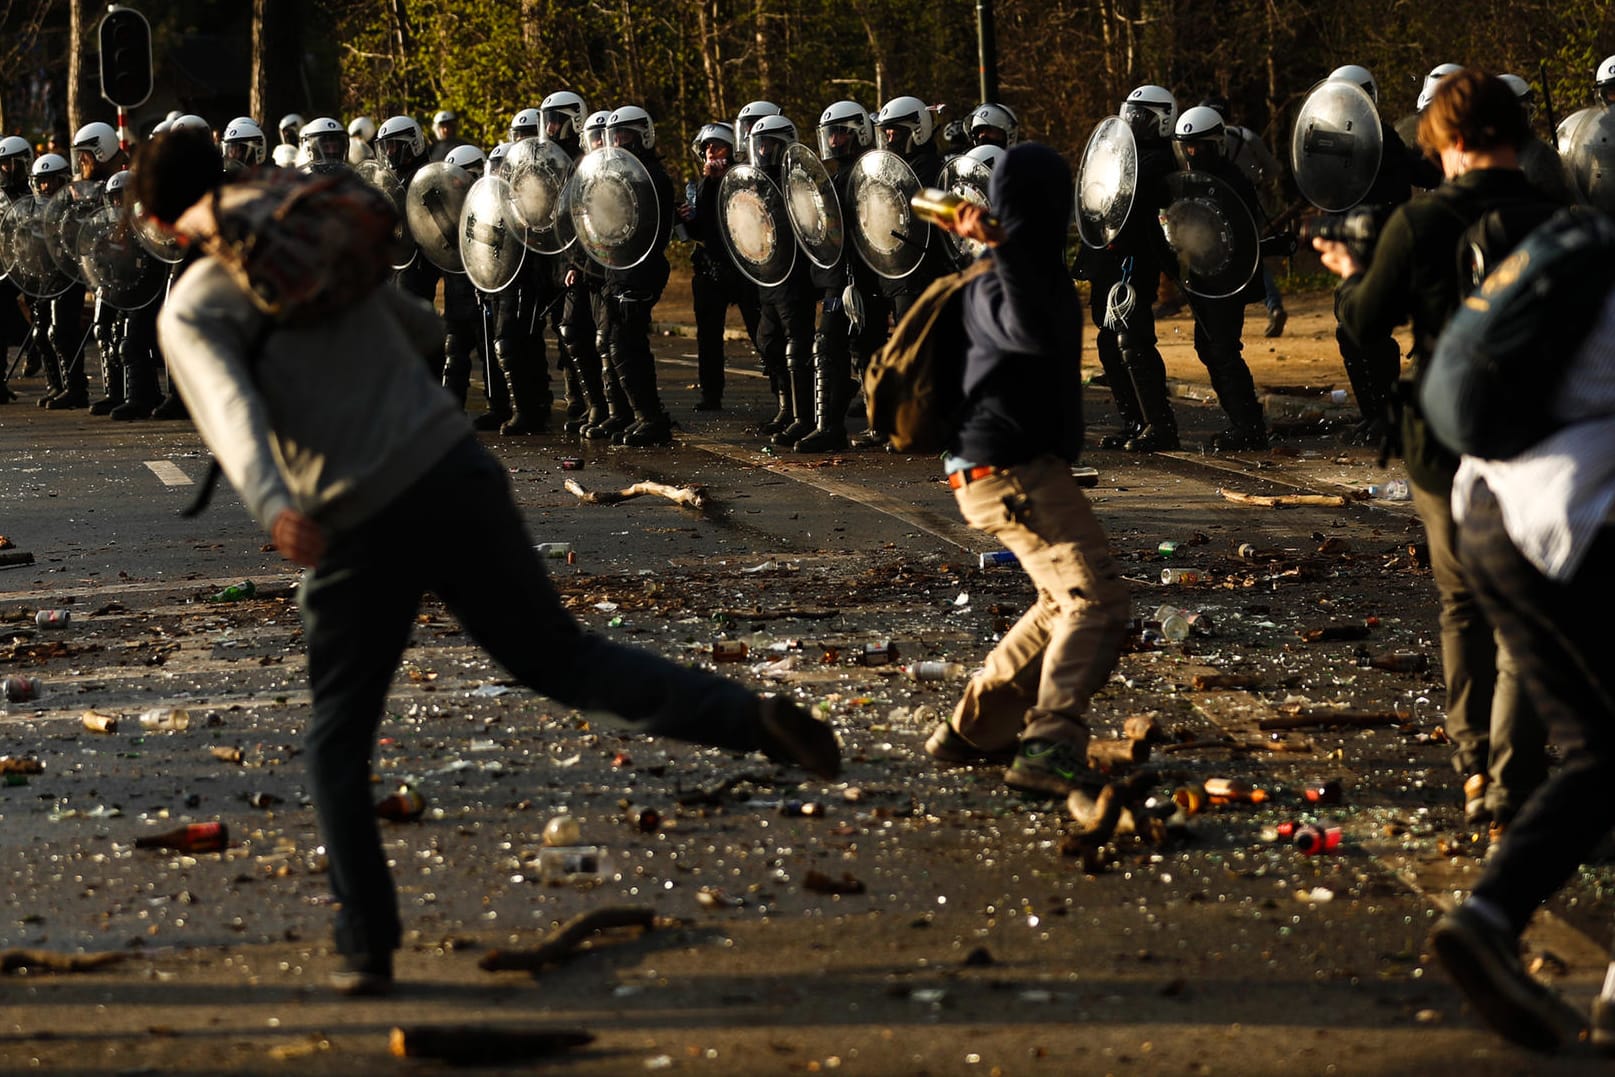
(1010, 469)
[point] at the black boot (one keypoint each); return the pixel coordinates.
(780, 384)
(800, 371)
(139, 363)
(652, 426)
(529, 413)
(1147, 373)
(619, 416)
(829, 404)
(111, 376)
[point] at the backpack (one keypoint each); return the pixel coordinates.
(914, 386)
(302, 246)
(1489, 388)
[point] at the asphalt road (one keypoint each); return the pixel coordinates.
(966, 941)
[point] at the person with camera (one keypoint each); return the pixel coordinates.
(1474, 126)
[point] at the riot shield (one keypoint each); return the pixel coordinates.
(161, 245)
(812, 206)
(1107, 180)
(1213, 234)
(29, 264)
(537, 172)
(376, 173)
(614, 209)
(121, 271)
(755, 226)
(1590, 158)
(968, 178)
(432, 212)
(1337, 145)
(64, 214)
(490, 236)
(885, 232)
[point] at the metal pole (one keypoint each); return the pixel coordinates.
(987, 50)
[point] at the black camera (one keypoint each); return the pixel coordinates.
(1358, 229)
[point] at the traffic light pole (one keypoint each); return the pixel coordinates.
(124, 141)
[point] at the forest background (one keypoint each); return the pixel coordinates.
(1062, 65)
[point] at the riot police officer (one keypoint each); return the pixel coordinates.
(400, 143)
(715, 283)
(16, 158)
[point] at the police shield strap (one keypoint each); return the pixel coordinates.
(1336, 146)
(755, 228)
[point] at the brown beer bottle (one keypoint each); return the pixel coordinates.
(404, 806)
(195, 838)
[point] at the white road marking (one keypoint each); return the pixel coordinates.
(169, 473)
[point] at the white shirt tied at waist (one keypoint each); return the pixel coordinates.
(1557, 495)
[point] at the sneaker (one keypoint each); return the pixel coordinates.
(363, 976)
(1275, 322)
(1484, 960)
(1051, 767)
(1602, 1025)
(948, 745)
(789, 734)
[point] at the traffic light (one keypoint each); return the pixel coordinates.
(125, 57)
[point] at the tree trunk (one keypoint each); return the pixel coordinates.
(83, 77)
(531, 26)
(763, 50)
(712, 58)
(277, 51)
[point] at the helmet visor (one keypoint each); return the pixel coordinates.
(839, 140)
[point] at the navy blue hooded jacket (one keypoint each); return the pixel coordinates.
(1023, 321)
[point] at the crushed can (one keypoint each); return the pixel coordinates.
(53, 618)
(729, 650)
(878, 654)
(20, 689)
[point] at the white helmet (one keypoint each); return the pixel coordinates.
(1437, 73)
(13, 146)
(562, 110)
(1520, 88)
(284, 155)
(992, 115)
(160, 127)
(765, 146)
(1151, 111)
(1358, 74)
(847, 118)
(98, 139)
(496, 156)
(445, 115)
(48, 167)
(400, 141)
(173, 114)
(749, 114)
(526, 124)
(362, 128)
(717, 131)
(1604, 80)
(190, 122)
(987, 154)
(244, 141)
(911, 121)
(290, 125)
(594, 130)
(467, 157)
(324, 140)
(1201, 136)
(631, 118)
(115, 186)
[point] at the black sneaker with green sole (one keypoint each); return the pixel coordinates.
(1052, 768)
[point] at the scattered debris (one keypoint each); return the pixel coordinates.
(693, 496)
(482, 1044)
(565, 940)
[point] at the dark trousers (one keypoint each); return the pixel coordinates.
(1219, 326)
(1493, 728)
(714, 293)
(1560, 642)
(358, 606)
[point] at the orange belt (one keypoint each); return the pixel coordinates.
(967, 476)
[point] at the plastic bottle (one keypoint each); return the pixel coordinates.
(234, 593)
(934, 671)
(20, 689)
(554, 551)
(404, 806)
(1180, 576)
(1395, 490)
(166, 719)
(194, 838)
(53, 618)
(560, 864)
